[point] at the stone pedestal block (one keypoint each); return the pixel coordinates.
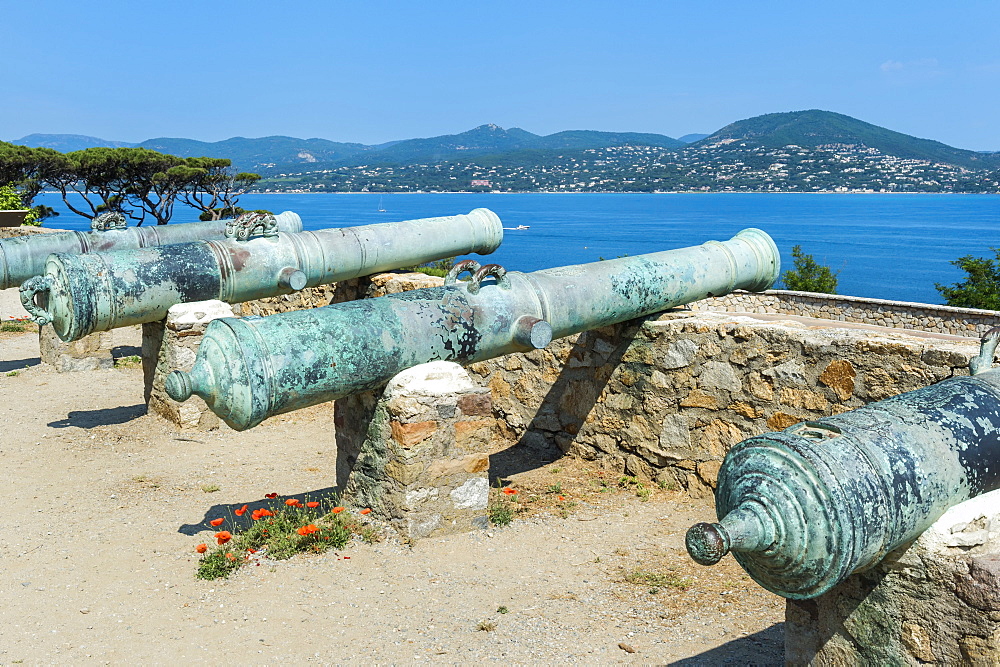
(416, 452)
(93, 352)
(170, 345)
(936, 601)
(395, 283)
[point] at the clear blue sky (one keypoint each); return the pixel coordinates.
(380, 70)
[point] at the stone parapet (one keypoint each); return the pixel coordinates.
(310, 297)
(24, 230)
(666, 396)
(394, 283)
(878, 312)
(417, 452)
(347, 290)
(936, 601)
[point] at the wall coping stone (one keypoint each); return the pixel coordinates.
(970, 322)
(902, 305)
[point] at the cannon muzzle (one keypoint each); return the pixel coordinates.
(252, 368)
(23, 257)
(804, 508)
(99, 291)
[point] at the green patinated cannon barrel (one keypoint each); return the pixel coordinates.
(23, 257)
(104, 290)
(250, 369)
(804, 508)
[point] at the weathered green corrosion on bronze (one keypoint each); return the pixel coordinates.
(23, 257)
(802, 509)
(104, 290)
(249, 369)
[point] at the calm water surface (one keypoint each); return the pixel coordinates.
(885, 246)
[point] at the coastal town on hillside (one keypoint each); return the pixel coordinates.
(723, 166)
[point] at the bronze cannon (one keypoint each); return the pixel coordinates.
(804, 508)
(252, 368)
(23, 257)
(99, 291)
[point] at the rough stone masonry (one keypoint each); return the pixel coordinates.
(666, 396)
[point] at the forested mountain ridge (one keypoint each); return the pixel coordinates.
(798, 151)
(814, 128)
(280, 153)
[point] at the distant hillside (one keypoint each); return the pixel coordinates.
(492, 139)
(254, 154)
(483, 139)
(691, 138)
(65, 143)
(280, 154)
(586, 139)
(813, 128)
(492, 145)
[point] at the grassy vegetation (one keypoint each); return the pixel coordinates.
(17, 325)
(437, 268)
(280, 532)
(131, 361)
(501, 512)
(657, 580)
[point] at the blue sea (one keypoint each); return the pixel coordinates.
(892, 246)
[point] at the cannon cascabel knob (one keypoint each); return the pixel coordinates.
(178, 386)
(707, 543)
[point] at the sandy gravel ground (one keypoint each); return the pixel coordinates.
(104, 506)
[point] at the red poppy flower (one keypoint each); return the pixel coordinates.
(292, 502)
(223, 536)
(230, 557)
(270, 495)
(264, 512)
(509, 491)
(367, 510)
(241, 511)
(312, 504)
(217, 522)
(201, 548)
(337, 510)
(561, 498)
(256, 515)
(308, 529)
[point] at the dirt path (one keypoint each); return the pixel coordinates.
(105, 505)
